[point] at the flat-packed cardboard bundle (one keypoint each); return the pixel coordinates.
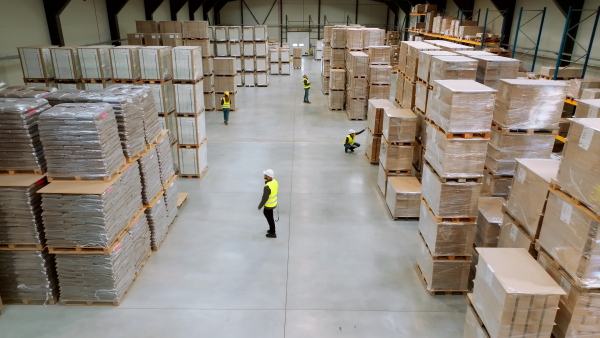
(170, 26)
(461, 106)
(337, 99)
(28, 276)
(327, 52)
(221, 33)
(493, 68)
(403, 196)
(590, 94)
(234, 33)
(248, 33)
(504, 148)
(412, 58)
(327, 34)
(337, 79)
(356, 108)
(588, 109)
(357, 63)
(248, 48)
(207, 66)
(172, 39)
(452, 68)
(442, 275)
(399, 125)
(153, 39)
(450, 199)
(372, 145)
(425, 57)
(148, 26)
(469, 31)
(193, 161)
(195, 30)
(209, 101)
(421, 95)
(450, 46)
(395, 157)
(418, 156)
(189, 98)
(403, 54)
(338, 58)
(578, 312)
(375, 113)
(380, 91)
(164, 96)
(354, 39)
(495, 185)
(379, 55)
(260, 33)
(408, 95)
(472, 327)
(325, 67)
(489, 220)
(563, 72)
(224, 66)
(65, 61)
(357, 87)
(529, 104)
(513, 295)
(338, 37)
(372, 37)
(399, 90)
(36, 62)
(156, 63)
(324, 84)
(513, 236)
(474, 53)
(444, 238)
(380, 74)
(222, 49)
(95, 62)
(455, 157)
(382, 178)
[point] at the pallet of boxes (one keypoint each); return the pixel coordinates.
(356, 84)
(326, 60)
(337, 97)
(297, 57)
(460, 115)
(36, 64)
(225, 80)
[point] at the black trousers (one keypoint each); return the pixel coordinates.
(268, 212)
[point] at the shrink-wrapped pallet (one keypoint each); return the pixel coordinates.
(381, 91)
(513, 236)
(425, 58)
(224, 66)
(324, 84)
(95, 62)
(357, 63)
(235, 49)
(209, 101)
(455, 157)
(338, 37)
(375, 114)
(337, 99)
(187, 63)
(221, 33)
(249, 64)
(225, 83)
(382, 178)
(192, 130)
(193, 161)
(125, 62)
(284, 54)
(28, 277)
(461, 106)
(327, 34)
(489, 220)
(563, 72)
(207, 66)
(395, 157)
(442, 275)
(189, 98)
(496, 186)
(164, 96)
(445, 238)
(357, 87)
(248, 48)
(170, 26)
(158, 222)
(154, 39)
(452, 68)
(491, 69)
(421, 95)
(513, 295)
(104, 278)
(21, 147)
(169, 122)
(372, 37)
(337, 79)
(156, 63)
(36, 62)
(260, 33)
(399, 125)
(234, 33)
(81, 140)
(171, 198)
(588, 108)
(578, 86)
(338, 58)
(248, 33)
(450, 199)
(356, 108)
(208, 83)
(148, 26)
(529, 104)
(403, 54)
(379, 55)
(569, 235)
(403, 196)
(506, 147)
(26, 92)
(372, 144)
(408, 95)
(399, 90)
(90, 215)
(380, 74)
(65, 61)
(261, 64)
(326, 52)
(21, 210)
(150, 175)
(412, 57)
(165, 160)
(172, 39)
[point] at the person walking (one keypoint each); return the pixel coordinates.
(269, 200)
(226, 106)
(306, 83)
(349, 143)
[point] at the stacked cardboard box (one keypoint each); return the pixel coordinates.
(588, 108)
(578, 86)
(403, 197)
(375, 113)
(357, 84)
(225, 80)
(489, 222)
(491, 69)
(36, 64)
(297, 57)
(337, 99)
(67, 67)
(96, 68)
(512, 297)
(372, 37)
(408, 65)
(392, 38)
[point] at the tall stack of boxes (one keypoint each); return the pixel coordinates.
(408, 66)
(36, 63)
(375, 116)
(225, 80)
(357, 84)
(326, 60)
(67, 69)
(96, 68)
(297, 57)
(156, 72)
(380, 72)
(460, 113)
(337, 98)
(262, 54)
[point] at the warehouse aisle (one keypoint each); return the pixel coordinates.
(339, 267)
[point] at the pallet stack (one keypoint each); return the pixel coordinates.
(375, 114)
(262, 53)
(326, 60)
(297, 57)
(512, 296)
(27, 272)
(209, 83)
(225, 80)
(67, 69)
(357, 84)
(36, 63)
(279, 60)
(380, 72)
(525, 124)
(408, 66)
(96, 68)
(337, 97)
(460, 113)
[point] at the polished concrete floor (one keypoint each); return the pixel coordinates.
(340, 266)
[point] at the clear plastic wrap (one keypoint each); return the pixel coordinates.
(357, 64)
(189, 98)
(403, 196)
(450, 199)
(354, 39)
(496, 186)
(21, 147)
(337, 99)
(472, 327)
(95, 62)
(93, 215)
(399, 90)
(491, 69)
(569, 235)
(208, 83)
(395, 157)
(527, 199)
(338, 58)
(564, 72)
(372, 144)
(26, 92)
(187, 63)
(445, 238)
(260, 33)
(226, 83)
(156, 63)
(380, 91)
(500, 167)
(338, 37)
(375, 113)
(324, 85)
(513, 236)
(590, 94)
(104, 277)
(36, 62)
(158, 221)
(489, 220)
(165, 160)
(209, 101)
(412, 57)
(585, 108)
(65, 61)
(207, 65)
(28, 277)
(221, 33)
(356, 108)
(509, 146)
(372, 37)
(579, 310)
(20, 209)
(357, 87)
(192, 130)
(379, 55)
(399, 125)
(408, 95)
(196, 29)
(442, 275)
(529, 104)
(248, 33)
(380, 74)
(81, 139)
(452, 68)
(193, 161)
(150, 175)
(513, 295)
(421, 95)
(327, 34)
(224, 66)
(455, 157)
(327, 52)
(460, 106)
(337, 79)
(125, 62)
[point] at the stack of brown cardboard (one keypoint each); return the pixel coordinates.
(577, 86)
(488, 222)
(422, 86)
(590, 94)
(563, 72)
(357, 70)
(491, 69)
(392, 38)
(297, 57)
(325, 60)
(375, 113)
(379, 72)
(513, 296)
(408, 65)
(588, 108)
(452, 68)
(372, 37)
(225, 79)
(403, 196)
(354, 39)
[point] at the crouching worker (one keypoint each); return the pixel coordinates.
(349, 143)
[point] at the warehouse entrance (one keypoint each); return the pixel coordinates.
(299, 39)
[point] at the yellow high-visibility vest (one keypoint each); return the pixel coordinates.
(272, 201)
(350, 139)
(225, 103)
(306, 84)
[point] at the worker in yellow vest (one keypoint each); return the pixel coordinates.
(349, 143)
(306, 83)
(269, 200)
(226, 106)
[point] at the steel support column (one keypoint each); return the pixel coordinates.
(113, 7)
(53, 8)
(356, 13)
(319, 21)
(150, 6)
(573, 26)
(193, 6)
(509, 6)
(175, 6)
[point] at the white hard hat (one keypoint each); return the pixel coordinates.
(269, 172)
(351, 131)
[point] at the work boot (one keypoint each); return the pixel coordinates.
(271, 235)
(226, 123)
(352, 150)
(308, 102)
(346, 151)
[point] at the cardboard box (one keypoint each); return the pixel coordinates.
(235, 33)
(65, 61)
(36, 62)
(337, 79)
(195, 30)
(421, 93)
(261, 48)
(153, 39)
(512, 145)
(338, 37)
(235, 48)
(372, 146)
(445, 238)
(191, 130)
(381, 91)
(489, 220)
(382, 179)
(189, 98)
(398, 125)
(455, 157)
(357, 64)
(285, 68)
(156, 63)
(379, 55)
(248, 48)
(261, 64)
(375, 113)
(262, 78)
(209, 101)
(324, 82)
(135, 39)
(442, 275)
(207, 66)
(187, 63)
(260, 33)
(380, 74)
(208, 49)
(337, 58)
(249, 64)
(222, 49)
(491, 69)
(588, 108)
(356, 108)
(496, 186)
(418, 156)
(193, 161)
(399, 91)
(408, 95)
(450, 199)
(225, 83)
(95, 62)
(169, 27)
(146, 26)
(357, 87)
(590, 94)
(395, 157)
(412, 57)
(452, 68)
(372, 37)
(513, 236)
(403, 196)
(354, 39)
(248, 33)
(221, 33)
(563, 72)
(224, 66)
(469, 31)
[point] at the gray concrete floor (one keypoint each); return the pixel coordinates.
(340, 266)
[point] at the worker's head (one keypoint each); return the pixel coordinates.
(269, 174)
(304, 76)
(226, 93)
(352, 132)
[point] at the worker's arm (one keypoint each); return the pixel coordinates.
(265, 197)
(347, 140)
(360, 132)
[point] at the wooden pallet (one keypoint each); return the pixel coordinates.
(29, 301)
(194, 176)
(397, 172)
(221, 109)
(189, 146)
(181, 198)
(98, 81)
(125, 81)
(30, 80)
(339, 109)
(21, 171)
(504, 130)
(450, 136)
(146, 81)
(410, 79)
(188, 81)
(204, 39)
(439, 292)
(450, 219)
(212, 109)
(154, 142)
(582, 206)
(22, 247)
(406, 219)
(478, 179)
(96, 250)
(82, 178)
(171, 180)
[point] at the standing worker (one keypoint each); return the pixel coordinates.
(349, 143)
(226, 105)
(269, 200)
(306, 83)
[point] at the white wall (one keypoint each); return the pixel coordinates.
(163, 12)
(184, 13)
(132, 12)
(85, 22)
